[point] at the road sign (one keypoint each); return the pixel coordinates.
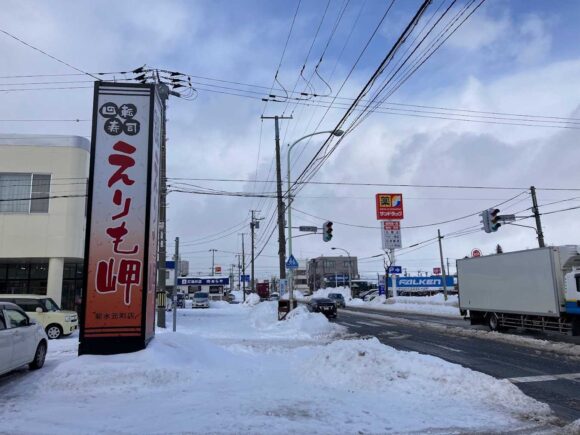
(389, 206)
(381, 289)
(391, 234)
(218, 269)
(507, 217)
(476, 253)
(436, 271)
(283, 286)
(396, 270)
(308, 229)
(291, 263)
(245, 278)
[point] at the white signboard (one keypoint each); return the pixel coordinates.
(391, 234)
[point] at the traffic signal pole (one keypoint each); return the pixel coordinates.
(536, 213)
(443, 274)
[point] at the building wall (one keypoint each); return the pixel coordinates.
(320, 267)
(57, 236)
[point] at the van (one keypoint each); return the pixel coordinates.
(45, 312)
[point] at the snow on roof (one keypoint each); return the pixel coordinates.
(48, 140)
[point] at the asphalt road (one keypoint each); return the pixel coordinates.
(546, 376)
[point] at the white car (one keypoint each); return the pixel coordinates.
(22, 340)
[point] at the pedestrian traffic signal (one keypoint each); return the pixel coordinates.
(327, 231)
(494, 219)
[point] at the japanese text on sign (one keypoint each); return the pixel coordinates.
(389, 206)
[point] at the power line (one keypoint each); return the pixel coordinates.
(46, 54)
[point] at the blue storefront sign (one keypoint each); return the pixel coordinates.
(381, 289)
(422, 282)
(203, 281)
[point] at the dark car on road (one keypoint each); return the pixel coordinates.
(323, 305)
(338, 299)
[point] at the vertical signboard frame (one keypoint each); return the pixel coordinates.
(122, 220)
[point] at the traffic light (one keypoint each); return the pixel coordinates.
(486, 221)
(494, 219)
(327, 231)
(490, 219)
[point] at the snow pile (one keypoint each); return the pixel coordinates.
(296, 294)
(238, 295)
(299, 323)
(219, 304)
(438, 299)
(368, 365)
(324, 292)
(252, 299)
(435, 304)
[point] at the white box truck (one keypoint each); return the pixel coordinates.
(533, 289)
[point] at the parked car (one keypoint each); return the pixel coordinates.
(200, 300)
(323, 305)
(338, 299)
(274, 297)
(46, 312)
(371, 295)
(22, 340)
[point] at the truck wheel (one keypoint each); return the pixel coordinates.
(493, 322)
(576, 327)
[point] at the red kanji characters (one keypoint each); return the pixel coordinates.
(124, 161)
(117, 234)
(106, 281)
(118, 199)
(129, 274)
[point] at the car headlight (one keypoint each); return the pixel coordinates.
(67, 318)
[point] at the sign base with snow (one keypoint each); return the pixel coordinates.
(118, 307)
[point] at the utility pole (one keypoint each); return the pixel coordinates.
(448, 268)
(253, 225)
(536, 213)
(281, 207)
(443, 274)
(162, 235)
(175, 284)
(243, 269)
(212, 261)
(239, 271)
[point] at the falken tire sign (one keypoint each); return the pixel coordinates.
(423, 282)
(118, 311)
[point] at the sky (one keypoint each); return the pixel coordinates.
(517, 57)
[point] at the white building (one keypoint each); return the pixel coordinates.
(42, 214)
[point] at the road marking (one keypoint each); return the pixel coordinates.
(544, 378)
(446, 347)
(368, 323)
(350, 324)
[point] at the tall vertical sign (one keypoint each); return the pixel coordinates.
(122, 220)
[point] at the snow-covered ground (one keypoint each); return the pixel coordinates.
(236, 369)
(435, 304)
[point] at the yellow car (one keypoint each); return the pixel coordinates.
(45, 312)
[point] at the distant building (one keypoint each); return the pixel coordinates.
(331, 271)
(300, 277)
(42, 215)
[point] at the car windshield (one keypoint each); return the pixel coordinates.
(49, 305)
(200, 296)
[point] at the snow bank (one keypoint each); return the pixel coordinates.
(323, 292)
(435, 305)
(252, 299)
(296, 294)
(299, 323)
(368, 365)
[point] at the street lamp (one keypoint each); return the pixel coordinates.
(332, 132)
(349, 270)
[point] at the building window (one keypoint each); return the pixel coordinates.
(39, 193)
(72, 285)
(328, 264)
(24, 193)
(346, 263)
(24, 277)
